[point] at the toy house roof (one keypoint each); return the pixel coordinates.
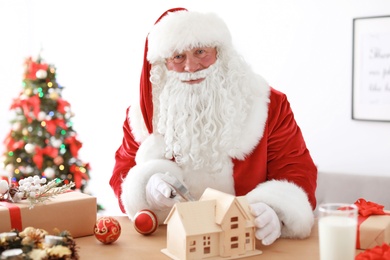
(197, 217)
(224, 202)
(207, 214)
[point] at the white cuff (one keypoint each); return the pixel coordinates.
(290, 203)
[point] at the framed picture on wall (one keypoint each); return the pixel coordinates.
(371, 68)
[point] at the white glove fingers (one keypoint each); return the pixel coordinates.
(267, 223)
(165, 189)
(257, 208)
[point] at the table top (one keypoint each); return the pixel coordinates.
(132, 245)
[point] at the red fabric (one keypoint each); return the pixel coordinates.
(281, 154)
(14, 214)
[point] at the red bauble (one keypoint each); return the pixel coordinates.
(145, 222)
(107, 230)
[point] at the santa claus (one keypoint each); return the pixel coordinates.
(206, 119)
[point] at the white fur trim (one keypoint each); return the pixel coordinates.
(181, 30)
(137, 123)
(290, 203)
(152, 148)
(133, 187)
(254, 127)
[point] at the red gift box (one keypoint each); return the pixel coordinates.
(373, 225)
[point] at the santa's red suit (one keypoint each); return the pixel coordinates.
(270, 162)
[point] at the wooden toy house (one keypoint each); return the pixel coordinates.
(218, 226)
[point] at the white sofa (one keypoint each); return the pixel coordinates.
(343, 187)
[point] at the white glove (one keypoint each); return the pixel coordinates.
(159, 194)
(267, 223)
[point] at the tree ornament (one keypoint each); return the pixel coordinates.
(49, 173)
(107, 230)
(16, 126)
(41, 116)
(41, 74)
(145, 222)
(25, 131)
(28, 92)
(29, 148)
(9, 168)
(55, 142)
(54, 95)
(58, 160)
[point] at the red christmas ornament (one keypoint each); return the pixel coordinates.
(107, 230)
(145, 222)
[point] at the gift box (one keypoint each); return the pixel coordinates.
(373, 225)
(71, 211)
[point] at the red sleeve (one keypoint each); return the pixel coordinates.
(288, 157)
(124, 159)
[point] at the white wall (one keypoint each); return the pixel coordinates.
(303, 48)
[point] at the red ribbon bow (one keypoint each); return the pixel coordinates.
(28, 104)
(51, 125)
(74, 145)
(39, 152)
(368, 208)
(78, 175)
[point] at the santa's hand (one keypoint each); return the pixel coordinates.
(159, 194)
(267, 223)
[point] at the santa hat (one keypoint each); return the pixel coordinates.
(175, 31)
(181, 30)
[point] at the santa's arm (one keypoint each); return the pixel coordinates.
(149, 161)
(291, 173)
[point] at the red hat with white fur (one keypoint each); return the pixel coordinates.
(175, 31)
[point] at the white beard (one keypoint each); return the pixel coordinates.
(202, 122)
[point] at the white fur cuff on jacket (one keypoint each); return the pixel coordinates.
(133, 187)
(290, 203)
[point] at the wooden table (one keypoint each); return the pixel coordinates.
(132, 245)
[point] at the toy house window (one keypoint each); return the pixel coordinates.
(206, 244)
(192, 246)
(233, 222)
(247, 238)
(234, 242)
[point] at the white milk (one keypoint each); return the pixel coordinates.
(337, 237)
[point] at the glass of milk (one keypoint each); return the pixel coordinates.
(337, 228)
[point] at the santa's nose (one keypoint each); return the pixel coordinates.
(191, 64)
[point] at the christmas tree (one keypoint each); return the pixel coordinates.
(42, 140)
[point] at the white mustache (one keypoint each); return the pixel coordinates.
(186, 76)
